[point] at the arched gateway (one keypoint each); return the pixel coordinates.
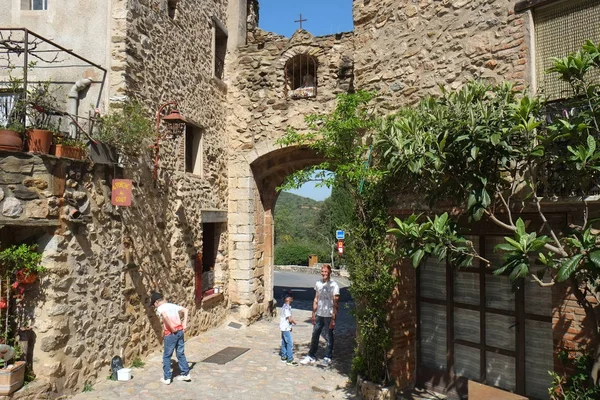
(253, 192)
(260, 113)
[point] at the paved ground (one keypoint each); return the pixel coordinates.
(256, 375)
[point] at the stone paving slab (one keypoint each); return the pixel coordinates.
(256, 374)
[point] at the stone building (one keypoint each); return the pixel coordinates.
(208, 220)
(103, 261)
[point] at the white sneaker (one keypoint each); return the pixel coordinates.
(165, 381)
(186, 378)
(326, 362)
(307, 360)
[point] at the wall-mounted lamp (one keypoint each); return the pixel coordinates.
(176, 127)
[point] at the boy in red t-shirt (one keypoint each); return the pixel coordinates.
(173, 330)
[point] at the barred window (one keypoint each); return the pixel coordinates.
(301, 77)
(560, 29)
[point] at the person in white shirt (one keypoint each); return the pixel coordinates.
(285, 325)
(325, 308)
(173, 329)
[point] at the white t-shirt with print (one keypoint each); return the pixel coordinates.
(284, 323)
(326, 290)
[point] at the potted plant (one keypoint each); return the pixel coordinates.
(20, 261)
(41, 106)
(68, 147)
(12, 374)
(11, 117)
(19, 267)
(124, 130)
(11, 137)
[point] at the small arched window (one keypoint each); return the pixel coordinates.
(301, 77)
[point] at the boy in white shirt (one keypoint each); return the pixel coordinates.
(285, 325)
(173, 341)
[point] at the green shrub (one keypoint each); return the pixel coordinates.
(292, 254)
(126, 129)
(578, 386)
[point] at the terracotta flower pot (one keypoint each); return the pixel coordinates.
(25, 277)
(10, 140)
(39, 141)
(61, 150)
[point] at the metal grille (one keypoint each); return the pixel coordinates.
(561, 29)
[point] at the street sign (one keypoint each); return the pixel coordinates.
(340, 247)
(340, 235)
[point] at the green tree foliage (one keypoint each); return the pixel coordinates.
(484, 152)
(576, 386)
(492, 152)
(344, 140)
(296, 221)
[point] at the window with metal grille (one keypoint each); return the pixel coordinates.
(220, 48)
(34, 4)
(301, 77)
(560, 29)
(8, 101)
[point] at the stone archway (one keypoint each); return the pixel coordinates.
(253, 180)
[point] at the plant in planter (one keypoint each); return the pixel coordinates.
(68, 147)
(127, 129)
(40, 106)
(11, 117)
(19, 267)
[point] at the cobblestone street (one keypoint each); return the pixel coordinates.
(256, 374)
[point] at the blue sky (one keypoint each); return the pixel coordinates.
(324, 16)
(310, 190)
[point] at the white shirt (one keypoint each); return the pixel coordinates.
(326, 291)
(284, 322)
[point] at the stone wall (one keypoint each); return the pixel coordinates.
(91, 304)
(405, 49)
(104, 264)
(259, 114)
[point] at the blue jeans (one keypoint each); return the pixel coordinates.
(320, 323)
(287, 345)
(174, 342)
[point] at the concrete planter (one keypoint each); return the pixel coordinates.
(11, 379)
(367, 390)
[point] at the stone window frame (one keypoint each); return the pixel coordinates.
(34, 5)
(219, 48)
(194, 149)
(312, 53)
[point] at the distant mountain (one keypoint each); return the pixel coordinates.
(295, 217)
(296, 229)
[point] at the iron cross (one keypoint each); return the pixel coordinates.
(301, 20)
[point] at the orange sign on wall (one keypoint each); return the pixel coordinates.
(121, 192)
